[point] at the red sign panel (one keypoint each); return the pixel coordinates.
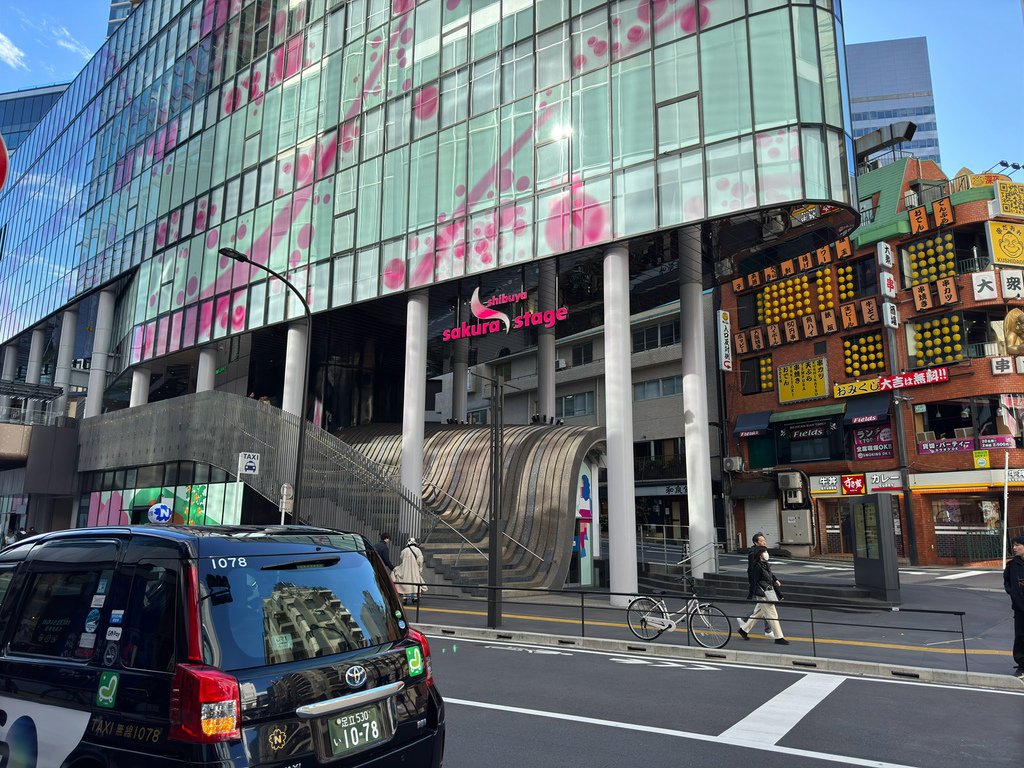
(5, 162)
(853, 485)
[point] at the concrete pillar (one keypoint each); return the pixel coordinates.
(140, 387)
(294, 369)
(413, 408)
(100, 351)
(546, 341)
(34, 371)
(10, 368)
(696, 431)
(618, 383)
(207, 369)
(65, 357)
(460, 368)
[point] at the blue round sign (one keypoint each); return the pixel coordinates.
(160, 513)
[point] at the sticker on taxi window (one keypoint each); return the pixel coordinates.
(106, 694)
(415, 658)
(281, 642)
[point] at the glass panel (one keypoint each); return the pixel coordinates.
(591, 125)
(778, 166)
(815, 170)
(829, 68)
(678, 125)
(772, 69)
(632, 96)
(725, 84)
(730, 176)
(675, 69)
(681, 188)
(634, 201)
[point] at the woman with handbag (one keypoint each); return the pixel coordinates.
(762, 586)
(408, 575)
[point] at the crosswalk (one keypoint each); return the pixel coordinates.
(794, 567)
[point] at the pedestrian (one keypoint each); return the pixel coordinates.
(383, 549)
(761, 587)
(1013, 583)
(409, 573)
(759, 541)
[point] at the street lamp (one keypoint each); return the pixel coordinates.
(243, 259)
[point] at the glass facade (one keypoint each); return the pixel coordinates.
(365, 148)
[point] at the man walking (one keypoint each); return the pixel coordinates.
(762, 584)
(383, 549)
(1013, 583)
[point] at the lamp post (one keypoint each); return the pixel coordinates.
(300, 451)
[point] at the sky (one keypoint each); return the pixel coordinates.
(974, 47)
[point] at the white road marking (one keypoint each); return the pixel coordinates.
(762, 746)
(778, 716)
(962, 575)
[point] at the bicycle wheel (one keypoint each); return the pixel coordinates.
(637, 613)
(709, 626)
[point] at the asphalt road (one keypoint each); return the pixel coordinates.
(525, 706)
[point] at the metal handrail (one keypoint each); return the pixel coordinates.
(714, 546)
(478, 516)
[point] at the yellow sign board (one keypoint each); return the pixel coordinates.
(981, 460)
(807, 380)
(851, 388)
(1009, 199)
(1006, 243)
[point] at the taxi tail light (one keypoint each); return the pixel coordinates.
(205, 705)
(421, 640)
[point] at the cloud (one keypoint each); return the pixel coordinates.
(66, 41)
(10, 54)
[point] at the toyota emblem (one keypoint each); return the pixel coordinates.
(355, 676)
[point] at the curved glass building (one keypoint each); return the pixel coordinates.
(432, 177)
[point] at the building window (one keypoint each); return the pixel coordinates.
(863, 354)
(583, 353)
(655, 388)
(580, 404)
(654, 336)
(757, 375)
(477, 417)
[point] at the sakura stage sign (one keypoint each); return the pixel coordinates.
(491, 320)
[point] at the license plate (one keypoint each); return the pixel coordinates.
(357, 729)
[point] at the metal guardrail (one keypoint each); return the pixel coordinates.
(569, 611)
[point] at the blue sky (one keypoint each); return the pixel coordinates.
(974, 46)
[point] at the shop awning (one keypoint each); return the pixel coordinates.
(752, 424)
(754, 489)
(867, 410)
(802, 414)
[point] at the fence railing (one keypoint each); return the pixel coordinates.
(908, 637)
(666, 544)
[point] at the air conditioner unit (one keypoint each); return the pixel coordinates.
(790, 481)
(561, 364)
(732, 463)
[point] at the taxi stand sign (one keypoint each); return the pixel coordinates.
(248, 463)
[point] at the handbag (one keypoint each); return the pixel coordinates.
(770, 596)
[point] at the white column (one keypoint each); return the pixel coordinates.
(100, 351)
(207, 369)
(65, 356)
(140, 387)
(10, 368)
(546, 342)
(413, 408)
(34, 370)
(460, 367)
(618, 382)
(696, 431)
(294, 369)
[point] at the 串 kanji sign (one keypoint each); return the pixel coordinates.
(853, 485)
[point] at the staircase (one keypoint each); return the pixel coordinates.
(734, 587)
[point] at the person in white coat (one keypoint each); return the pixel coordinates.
(408, 575)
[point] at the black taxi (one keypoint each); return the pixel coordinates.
(283, 647)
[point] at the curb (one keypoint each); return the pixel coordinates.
(725, 656)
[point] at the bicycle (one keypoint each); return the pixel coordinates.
(707, 624)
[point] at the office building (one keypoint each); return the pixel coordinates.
(891, 81)
(21, 111)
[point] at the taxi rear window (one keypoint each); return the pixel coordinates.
(272, 609)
